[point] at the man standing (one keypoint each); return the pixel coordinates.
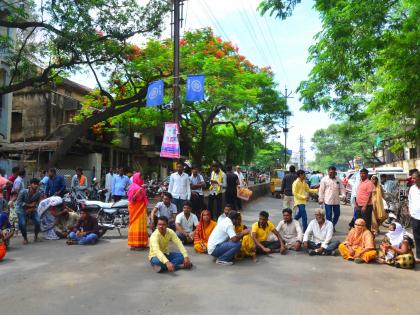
(197, 185)
(223, 242)
(314, 180)
(164, 208)
(331, 189)
(232, 183)
(120, 185)
(86, 230)
(159, 256)
(290, 231)
(26, 206)
(19, 184)
(260, 231)
(79, 184)
(185, 223)
(414, 206)
(218, 182)
(300, 189)
(12, 178)
(364, 206)
(286, 188)
(242, 180)
(179, 186)
(109, 177)
(56, 185)
(318, 237)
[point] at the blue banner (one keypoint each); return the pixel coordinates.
(289, 152)
(155, 93)
(195, 88)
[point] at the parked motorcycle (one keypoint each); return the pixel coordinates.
(110, 215)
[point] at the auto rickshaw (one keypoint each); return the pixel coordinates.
(276, 181)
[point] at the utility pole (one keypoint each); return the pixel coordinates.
(286, 95)
(176, 33)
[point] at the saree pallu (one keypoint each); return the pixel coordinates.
(137, 229)
(202, 240)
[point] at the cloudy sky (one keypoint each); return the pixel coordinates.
(266, 41)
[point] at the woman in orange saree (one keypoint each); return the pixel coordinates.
(203, 231)
(137, 208)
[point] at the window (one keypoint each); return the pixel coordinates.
(17, 122)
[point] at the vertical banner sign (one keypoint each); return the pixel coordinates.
(170, 144)
(195, 88)
(155, 93)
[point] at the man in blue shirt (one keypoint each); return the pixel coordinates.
(26, 205)
(120, 184)
(55, 185)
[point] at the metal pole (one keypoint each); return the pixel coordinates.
(177, 103)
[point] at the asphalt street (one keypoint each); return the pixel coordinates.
(50, 277)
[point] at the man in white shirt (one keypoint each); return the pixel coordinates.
(164, 208)
(290, 231)
(218, 183)
(223, 242)
(179, 186)
(414, 207)
(226, 210)
(331, 189)
(108, 184)
(318, 236)
(197, 184)
(185, 223)
(242, 181)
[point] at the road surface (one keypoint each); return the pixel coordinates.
(52, 278)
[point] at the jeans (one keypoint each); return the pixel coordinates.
(302, 214)
(174, 257)
(365, 215)
(329, 210)
(416, 233)
(218, 211)
(183, 238)
(22, 223)
(179, 203)
(84, 240)
(226, 251)
(333, 245)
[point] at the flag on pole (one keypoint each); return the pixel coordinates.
(289, 152)
(195, 88)
(155, 93)
(170, 144)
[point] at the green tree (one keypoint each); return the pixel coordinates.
(270, 155)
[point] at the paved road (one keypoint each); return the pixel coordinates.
(53, 278)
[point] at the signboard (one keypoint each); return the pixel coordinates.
(170, 144)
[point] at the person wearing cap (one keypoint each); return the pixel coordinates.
(26, 206)
(317, 239)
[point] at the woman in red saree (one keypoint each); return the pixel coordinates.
(137, 208)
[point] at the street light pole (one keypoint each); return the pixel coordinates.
(286, 95)
(176, 101)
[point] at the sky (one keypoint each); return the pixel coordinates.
(265, 41)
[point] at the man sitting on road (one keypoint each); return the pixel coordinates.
(86, 230)
(226, 210)
(164, 208)
(185, 223)
(260, 231)
(290, 231)
(318, 236)
(65, 220)
(223, 242)
(159, 256)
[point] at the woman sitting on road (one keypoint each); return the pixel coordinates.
(396, 248)
(359, 244)
(204, 228)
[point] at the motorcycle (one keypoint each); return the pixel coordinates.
(96, 193)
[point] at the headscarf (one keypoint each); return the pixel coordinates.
(137, 183)
(200, 230)
(396, 237)
(360, 235)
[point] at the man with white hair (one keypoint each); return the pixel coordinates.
(318, 236)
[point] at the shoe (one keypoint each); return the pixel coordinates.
(225, 263)
(312, 252)
(157, 268)
(358, 260)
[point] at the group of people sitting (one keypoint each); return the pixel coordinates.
(229, 240)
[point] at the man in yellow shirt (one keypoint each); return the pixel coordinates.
(160, 257)
(260, 231)
(300, 189)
